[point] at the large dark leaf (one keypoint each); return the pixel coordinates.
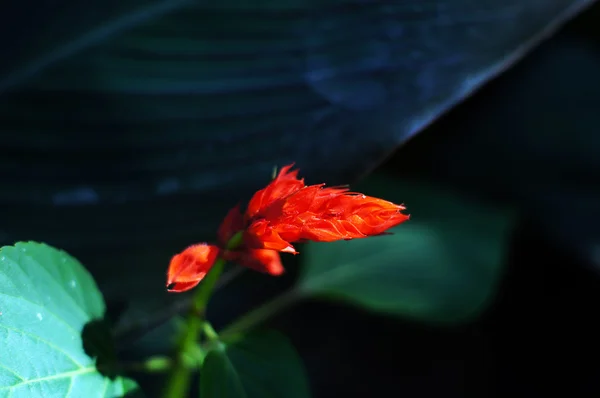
(262, 365)
(442, 266)
(129, 100)
(127, 106)
(538, 146)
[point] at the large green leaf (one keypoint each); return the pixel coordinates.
(440, 266)
(46, 299)
(262, 365)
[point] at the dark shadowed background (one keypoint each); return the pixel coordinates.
(127, 129)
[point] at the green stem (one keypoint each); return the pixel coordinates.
(127, 333)
(179, 379)
(210, 332)
(178, 383)
(260, 314)
(156, 364)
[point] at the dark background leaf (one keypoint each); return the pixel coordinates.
(442, 266)
(542, 149)
(262, 365)
(135, 101)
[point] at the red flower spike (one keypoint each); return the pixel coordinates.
(189, 267)
(284, 212)
(321, 214)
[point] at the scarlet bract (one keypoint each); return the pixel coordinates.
(284, 212)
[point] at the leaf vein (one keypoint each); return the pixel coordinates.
(71, 374)
(59, 288)
(45, 309)
(46, 342)
(13, 372)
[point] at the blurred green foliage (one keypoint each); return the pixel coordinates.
(261, 365)
(441, 266)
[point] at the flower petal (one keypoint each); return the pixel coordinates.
(260, 235)
(325, 215)
(232, 223)
(190, 266)
(284, 184)
(179, 287)
(261, 260)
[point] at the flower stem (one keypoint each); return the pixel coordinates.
(179, 379)
(157, 364)
(209, 332)
(178, 383)
(127, 333)
(260, 314)
(154, 364)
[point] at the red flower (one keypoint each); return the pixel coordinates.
(284, 212)
(190, 266)
(314, 213)
(261, 260)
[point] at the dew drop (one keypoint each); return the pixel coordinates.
(23, 249)
(39, 316)
(2, 258)
(73, 283)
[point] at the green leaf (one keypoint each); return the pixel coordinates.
(47, 299)
(262, 365)
(441, 266)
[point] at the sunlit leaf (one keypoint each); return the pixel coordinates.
(46, 300)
